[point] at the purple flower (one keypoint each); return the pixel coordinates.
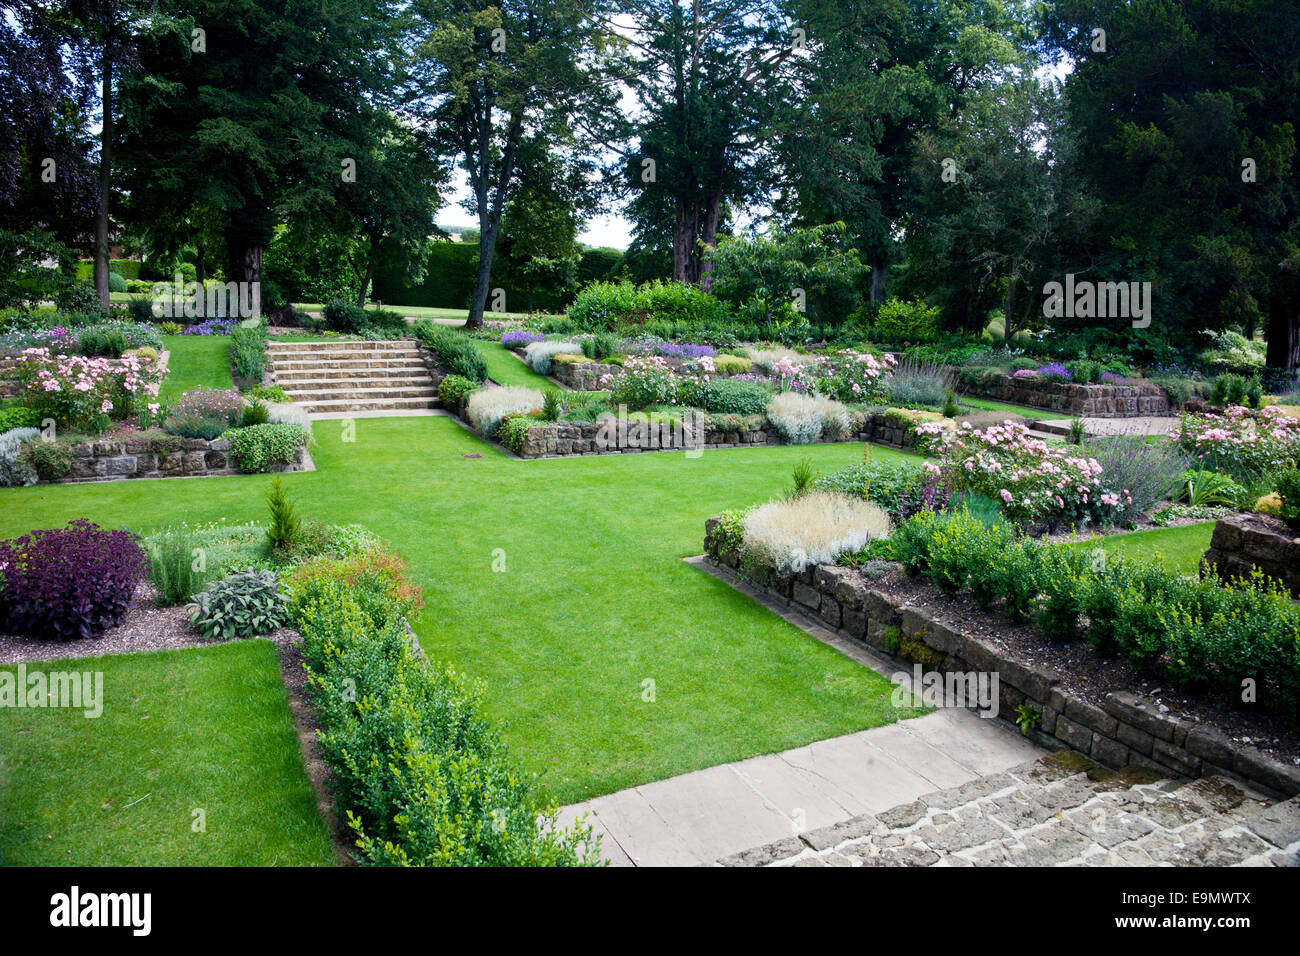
(685, 350)
(1054, 370)
(518, 338)
(217, 326)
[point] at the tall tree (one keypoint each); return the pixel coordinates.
(1186, 118)
(487, 74)
(253, 111)
(878, 75)
(705, 79)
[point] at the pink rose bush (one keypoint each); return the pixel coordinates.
(1239, 440)
(83, 392)
(1032, 479)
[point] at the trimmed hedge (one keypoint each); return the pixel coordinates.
(422, 777)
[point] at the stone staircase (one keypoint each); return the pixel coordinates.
(1061, 809)
(338, 377)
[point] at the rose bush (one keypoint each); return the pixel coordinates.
(84, 392)
(1241, 441)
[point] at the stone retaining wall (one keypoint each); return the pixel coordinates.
(567, 438)
(114, 460)
(1244, 541)
(1088, 401)
(1127, 729)
(582, 376)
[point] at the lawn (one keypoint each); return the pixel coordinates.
(180, 731)
(591, 607)
(196, 360)
(424, 311)
(988, 405)
(1178, 548)
(504, 367)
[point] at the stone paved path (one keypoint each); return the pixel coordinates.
(700, 817)
(1061, 809)
(1146, 425)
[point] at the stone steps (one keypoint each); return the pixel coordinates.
(331, 378)
(1059, 810)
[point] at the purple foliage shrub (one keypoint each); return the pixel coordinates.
(61, 584)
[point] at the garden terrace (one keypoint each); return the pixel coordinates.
(1131, 399)
(1096, 707)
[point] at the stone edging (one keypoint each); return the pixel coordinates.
(1088, 401)
(139, 458)
(1126, 730)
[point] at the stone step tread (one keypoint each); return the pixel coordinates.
(360, 395)
(1061, 809)
(345, 348)
(365, 404)
(404, 378)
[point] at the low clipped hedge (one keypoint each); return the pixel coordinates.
(420, 775)
(1202, 633)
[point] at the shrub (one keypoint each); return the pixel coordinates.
(518, 338)
(730, 397)
(343, 317)
(68, 583)
(513, 432)
(50, 460)
(644, 381)
(1145, 470)
(204, 412)
(18, 416)
(899, 321)
(960, 542)
(248, 352)
(140, 308)
(454, 349)
(919, 384)
(14, 471)
(1240, 443)
(487, 407)
(268, 393)
(374, 575)
(731, 364)
(170, 328)
(802, 419)
(80, 392)
(261, 447)
(255, 414)
(599, 346)
(815, 528)
(897, 486)
(609, 306)
(1228, 389)
(552, 405)
(111, 339)
(421, 776)
(455, 390)
(539, 355)
(178, 566)
(244, 604)
(1288, 489)
(285, 527)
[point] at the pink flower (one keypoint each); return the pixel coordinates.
(1006, 495)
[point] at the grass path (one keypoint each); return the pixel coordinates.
(180, 731)
(504, 367)
(196, 360)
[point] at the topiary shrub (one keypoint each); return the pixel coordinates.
(68, 583)
(244, 604)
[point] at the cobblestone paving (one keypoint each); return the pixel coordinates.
(1061, 809)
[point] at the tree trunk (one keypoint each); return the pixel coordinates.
(1284, 324)
(683, 240)
(695, 223)
(487, 241)
(879, 271)
(105, 160)
(708, 237)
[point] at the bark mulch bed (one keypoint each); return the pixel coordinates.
(1083, 672)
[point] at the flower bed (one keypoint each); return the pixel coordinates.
(1241, 441)
(80, 392)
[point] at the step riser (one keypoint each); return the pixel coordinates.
(379, 406)
(353, 381)
(327, 346)
(360, 394)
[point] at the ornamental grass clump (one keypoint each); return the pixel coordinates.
(487, 407)
(815, 528)
(540, 355)
(67, 583)
(803, 419)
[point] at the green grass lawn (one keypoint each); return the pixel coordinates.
(180, 731)
(1178, 548)
(988, 405)
(505, 368)
(593, 601)
(422, 311)
(196, 360)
